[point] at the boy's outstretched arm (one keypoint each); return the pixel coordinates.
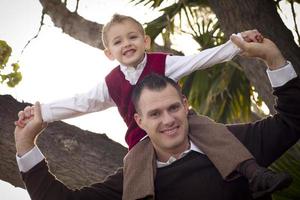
(180, 66)
(96, 99)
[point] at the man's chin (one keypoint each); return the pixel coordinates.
(175, 145)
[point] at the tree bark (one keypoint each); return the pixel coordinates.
(76, 157)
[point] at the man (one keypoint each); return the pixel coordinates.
(183, 171)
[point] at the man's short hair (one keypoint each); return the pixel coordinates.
(154, 82)
(117, 19)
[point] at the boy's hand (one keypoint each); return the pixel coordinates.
(25, 136)
(252, 36)
(25, 116)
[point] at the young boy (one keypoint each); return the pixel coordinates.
(124, 40)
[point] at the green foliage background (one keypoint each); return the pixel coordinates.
(13, 76)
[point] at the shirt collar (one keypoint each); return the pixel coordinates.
(132, 74)
(172, 159)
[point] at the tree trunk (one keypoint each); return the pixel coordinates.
(77, 157)
(238, 15)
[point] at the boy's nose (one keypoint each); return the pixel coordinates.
(127, 43)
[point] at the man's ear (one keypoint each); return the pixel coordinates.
(108, 54)
(147, 41)
(185, 104)
(138, 120)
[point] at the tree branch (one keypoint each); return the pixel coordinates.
(295, 21)
(75, 156)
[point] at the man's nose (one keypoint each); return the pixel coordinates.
(167, 118)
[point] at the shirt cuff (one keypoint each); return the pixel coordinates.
(30, 159)
(282, 75)
(239, 50)
(46, 113)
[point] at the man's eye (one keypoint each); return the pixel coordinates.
(154, 114)
(174, 108)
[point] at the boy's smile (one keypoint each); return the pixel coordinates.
(126, 43)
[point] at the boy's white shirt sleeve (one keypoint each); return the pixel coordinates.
(179, 66)
(277, 78)
(96, 99)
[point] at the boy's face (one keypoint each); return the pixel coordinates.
(126, 43)
(163, 115)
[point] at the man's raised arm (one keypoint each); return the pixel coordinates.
(269, 138)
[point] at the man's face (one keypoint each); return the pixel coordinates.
(163, 115)
(126, 43)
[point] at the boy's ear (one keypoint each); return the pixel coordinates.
(108, 54)
(147, 41)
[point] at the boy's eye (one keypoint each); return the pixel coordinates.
(117, 42)
(133, 36)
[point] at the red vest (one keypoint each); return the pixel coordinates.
(120, 91)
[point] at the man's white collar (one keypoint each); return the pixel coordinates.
(172, 159)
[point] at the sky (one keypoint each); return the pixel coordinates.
(55, 66)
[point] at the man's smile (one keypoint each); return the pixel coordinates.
(170, 131)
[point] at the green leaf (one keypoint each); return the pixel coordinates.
(13, 78)
(290, 163)
(5, 52)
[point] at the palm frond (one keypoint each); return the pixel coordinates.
(289, 162)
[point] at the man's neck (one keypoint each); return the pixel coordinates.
(164, 156)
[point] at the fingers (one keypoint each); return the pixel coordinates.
(20, 124)
(38, 114)
(37, 110)
(259, 38)
(252, 36)
(238, 42)
(25, 116)
(27, 111)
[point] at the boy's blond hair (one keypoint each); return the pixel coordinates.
(117, 19)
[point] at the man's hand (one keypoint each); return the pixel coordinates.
(33, 125)
(265, 50)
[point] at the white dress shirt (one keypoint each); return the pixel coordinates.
(172, 159)
(98, 98)
(277, 78)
